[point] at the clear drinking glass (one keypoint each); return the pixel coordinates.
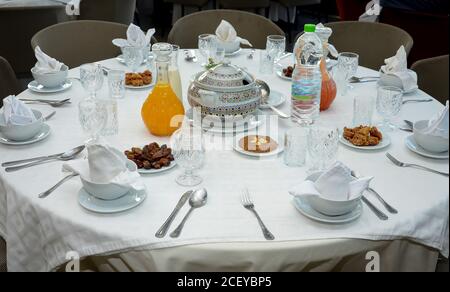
(92, 116)
(111, 125)
(296, 146)
(363, 108)
(218, 55)
(346, 67)
(189, 153)
(206, 43)
(266, 62)
(133, 57)
(389, 104)
(323, 145)
(116, 82)
(91, 77)
(276, 46)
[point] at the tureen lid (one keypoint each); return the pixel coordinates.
(224, 76)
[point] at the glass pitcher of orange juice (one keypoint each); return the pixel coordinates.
(162, 112)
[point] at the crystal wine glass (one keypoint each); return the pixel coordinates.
(93, 117)
(389, 104)
(206, 43)
(347, 67)
(323, 144)
(91, 77)
(133, 57)
(276, 46)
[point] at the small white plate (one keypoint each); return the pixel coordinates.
(280, 74)
(275, 99)
(233, 53)
(44, 133)
(141, 87)
(383, 144)
(414, 147)
(129, 201)
(154, 171)
(36, 87)
(305, 209)
(241, 150)
(121, 60)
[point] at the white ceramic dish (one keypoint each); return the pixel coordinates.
(383, 144)
(20, 133)
(412, 145)
(430, 143)
(129, 201)
(141, 87)
(242, 151)
(276, 99)
(51, 80)
(41, 135)
(36, 87)
(229, 47)
(155, 171)
(305, 209)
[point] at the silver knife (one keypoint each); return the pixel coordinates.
(165, 227)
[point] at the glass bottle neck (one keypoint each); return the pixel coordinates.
(163, 72)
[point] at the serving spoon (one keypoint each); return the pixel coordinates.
(265, 94)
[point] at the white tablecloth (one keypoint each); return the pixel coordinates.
(41, 232)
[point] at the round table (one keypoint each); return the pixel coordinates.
(222, 236)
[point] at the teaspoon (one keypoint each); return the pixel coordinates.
(265, 94)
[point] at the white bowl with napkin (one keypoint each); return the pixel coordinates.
(395, 72)
(334, 192)
(48, 72)
(106, 173)
(227, 38)
(18, 122)
(433, 135)
(136, 38)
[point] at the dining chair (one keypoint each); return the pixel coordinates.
(3, 267)
(120, 11)
(9, 84)
(191, 3)
(374, 42)
(17, 27)
(248, 25)
(83, 41)
(433, 75)
(256, 5)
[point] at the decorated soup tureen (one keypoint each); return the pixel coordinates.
(225, 90)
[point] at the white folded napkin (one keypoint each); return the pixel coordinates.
(45, 63)
(105, 165)
(135, 37)
(439, 124)
(15, 112)
(335, 184)
(398, 66)
(226, 33)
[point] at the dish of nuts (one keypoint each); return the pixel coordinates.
(151, 158)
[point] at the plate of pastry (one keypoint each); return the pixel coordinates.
(139, 80)
(365, 138)
(152, 158)
(257, 145)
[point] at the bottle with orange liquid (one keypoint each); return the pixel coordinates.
(162, 112)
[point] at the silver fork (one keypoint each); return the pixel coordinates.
(248, 204)
(401, 164)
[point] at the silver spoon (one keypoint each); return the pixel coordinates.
(355, 79)
(69, 155)
(409, 128)
(52, 189)
(197, 200)
(265, 94)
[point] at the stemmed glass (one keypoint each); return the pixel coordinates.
(189, 152)
(91, 77)
(323, 144)
(347, 67)
(92, 116)
(276, 46)
(206, 44)
(133, 57)
(389, 104)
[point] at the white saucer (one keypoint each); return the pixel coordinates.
(254, 121)
(129, 201)
(240, 150)
(414, 147)
(141, 87)
(154, 171)
(36, 87)
(233, 53)
(275, 99)
(305, 209)
(383, 144)
(44, 133)
(280, 74)
(121, 60)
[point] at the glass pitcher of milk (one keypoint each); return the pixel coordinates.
(174, 73)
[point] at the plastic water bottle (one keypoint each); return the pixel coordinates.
(307, 78)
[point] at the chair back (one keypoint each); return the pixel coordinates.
(120, 11)
(9, 84)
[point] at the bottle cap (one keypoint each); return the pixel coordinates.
(310, 28)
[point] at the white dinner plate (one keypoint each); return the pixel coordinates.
(233, 53)
(43, 133)
(154, 171)
(276, 99)
(121, 60)
(36, 87)
(383, 144)
(241, 150)
(129, 201)
(414, 147)
(306, 210)
(251, 122)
